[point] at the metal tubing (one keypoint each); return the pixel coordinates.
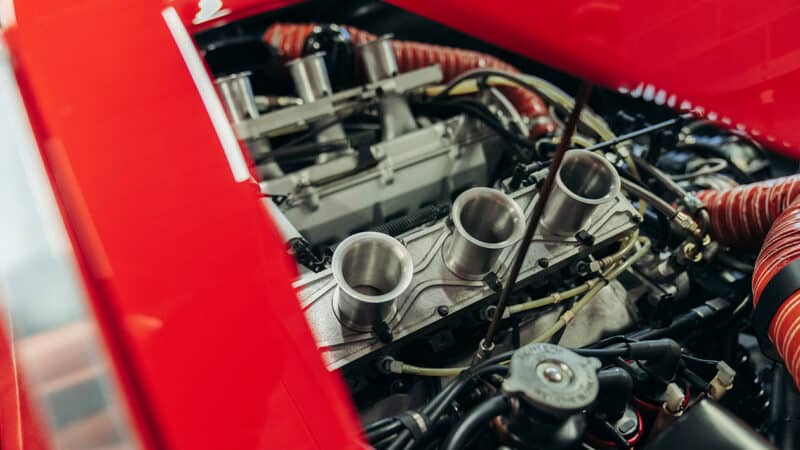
(310, 76)
(379, 58)
(372, 271)
(584, 181)
(237, 93)
(485, 221)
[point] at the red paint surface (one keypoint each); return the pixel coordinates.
(189, 278)
(738, 59)
(184, 266)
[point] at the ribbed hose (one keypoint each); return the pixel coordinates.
(289, 39)
(768, 211)
(743, 215)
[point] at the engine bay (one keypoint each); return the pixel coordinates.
(495, 254)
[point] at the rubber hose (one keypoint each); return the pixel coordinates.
(289, 39)
(767, 211)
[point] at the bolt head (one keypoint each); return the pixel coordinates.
(553, 374)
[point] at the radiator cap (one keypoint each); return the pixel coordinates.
(552, 379)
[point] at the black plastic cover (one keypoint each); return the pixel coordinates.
(709, 426)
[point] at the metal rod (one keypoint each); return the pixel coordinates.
(534, 166)
(641, 132)
(487, 345)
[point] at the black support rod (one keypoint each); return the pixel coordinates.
(487, 344)
(641, 132)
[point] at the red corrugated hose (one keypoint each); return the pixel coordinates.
(289, 38)
(768, 211)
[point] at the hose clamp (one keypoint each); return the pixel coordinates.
(785, 283)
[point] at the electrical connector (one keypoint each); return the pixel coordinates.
(674, 400)
(722, 381)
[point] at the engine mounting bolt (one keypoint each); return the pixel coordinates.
(443, 310)
(543, 263)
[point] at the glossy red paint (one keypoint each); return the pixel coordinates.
(184, 266)
(188, 276)
(202, 15)
(738, 60)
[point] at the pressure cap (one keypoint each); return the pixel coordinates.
(552, 379)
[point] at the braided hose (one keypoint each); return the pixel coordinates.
(768, 211)
(289, 39)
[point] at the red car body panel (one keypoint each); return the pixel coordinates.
(185, 270)
(737, 61)
(188, 277)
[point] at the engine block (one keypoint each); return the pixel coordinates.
(434, 285)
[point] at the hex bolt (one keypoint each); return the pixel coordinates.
(585, 238)
(492, 280)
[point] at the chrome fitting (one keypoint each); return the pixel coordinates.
(584, 181)
(310, 76)
(237, 94)
(372, 271)
(379, 59)
(485, 222)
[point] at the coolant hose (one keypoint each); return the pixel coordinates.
(767, 211)
(289, 39)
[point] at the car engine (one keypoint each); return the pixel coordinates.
(495, 254)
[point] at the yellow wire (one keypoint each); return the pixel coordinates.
(560, 323)
(587, 298)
